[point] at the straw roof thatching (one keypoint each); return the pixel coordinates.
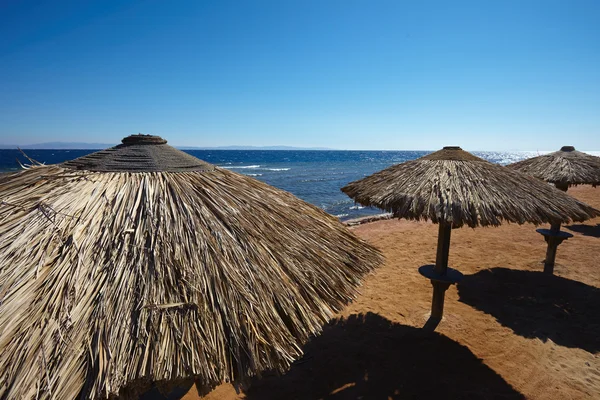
(564, 167)
(111, 279)
(459, 188)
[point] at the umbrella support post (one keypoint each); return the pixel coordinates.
(440, 275)
(437, 302)
(553, 236)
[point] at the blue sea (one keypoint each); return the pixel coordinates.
(314, 176)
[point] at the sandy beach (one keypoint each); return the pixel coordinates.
(509, 331)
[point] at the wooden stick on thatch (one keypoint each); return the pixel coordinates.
(454, 188)
(170, 270)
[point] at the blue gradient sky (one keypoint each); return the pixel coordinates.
(486, 75)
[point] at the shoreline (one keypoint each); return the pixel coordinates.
(366, 219)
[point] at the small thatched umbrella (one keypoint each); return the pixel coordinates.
(142, 264)
(564, 168)
(452, 188)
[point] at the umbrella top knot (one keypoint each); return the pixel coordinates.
(143, 139)
(452, 153)
(567, 148)
(140, 153)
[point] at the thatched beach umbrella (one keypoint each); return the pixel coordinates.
(564, 168)
(142, 264)
(452, 188)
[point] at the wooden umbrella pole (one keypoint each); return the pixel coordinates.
(441, 267)
(553, 240)
(443, 248)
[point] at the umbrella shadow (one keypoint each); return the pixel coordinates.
(585, 230)
(175, 392)
(368, 357)
(537, 305)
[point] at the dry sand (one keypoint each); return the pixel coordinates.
(509, 331)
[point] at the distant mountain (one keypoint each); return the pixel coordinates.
(99, 146)
(59, 146)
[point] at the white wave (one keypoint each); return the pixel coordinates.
(356, 208)
(277, 169)
(253, 174)
(243, 167)
(316, 180)
(341, 215)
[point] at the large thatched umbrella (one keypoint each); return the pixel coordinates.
(452, 188)
(142, 264)
(564, 168)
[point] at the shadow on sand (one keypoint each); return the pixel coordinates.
(176, 392)
(368, 357)
(585, 230)
(534, 304)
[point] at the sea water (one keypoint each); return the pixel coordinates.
(314, 176)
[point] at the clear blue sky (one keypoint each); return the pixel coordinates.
(486, 75)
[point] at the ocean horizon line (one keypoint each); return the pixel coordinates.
(100, 146)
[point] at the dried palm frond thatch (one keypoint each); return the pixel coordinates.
(453, 188)
(566, 167)
(458, 188)
(112, 279)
